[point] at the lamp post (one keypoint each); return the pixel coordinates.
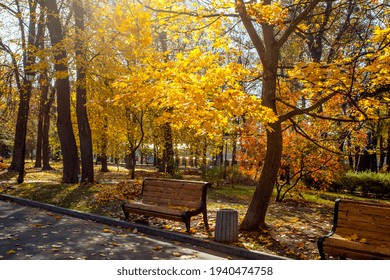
(28, 79)
(225, 139)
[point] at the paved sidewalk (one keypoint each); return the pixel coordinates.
(31, 233)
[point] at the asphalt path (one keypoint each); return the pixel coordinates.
(29, 233)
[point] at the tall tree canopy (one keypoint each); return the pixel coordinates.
(160, 74)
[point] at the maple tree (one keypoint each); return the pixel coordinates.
(271, 25)
(200, 89)
(318, 91)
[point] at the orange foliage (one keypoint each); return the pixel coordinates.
(252, 150)
(302, 159)
(121, 191)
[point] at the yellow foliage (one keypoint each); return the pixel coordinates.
(273, 13)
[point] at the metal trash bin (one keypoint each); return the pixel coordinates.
(226, 228)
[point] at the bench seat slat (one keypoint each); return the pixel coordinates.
(367, 216)
(339, 244)
(347, 253)
(153, 208)
(172, 195)
(168, 201)
(176, 185)
(173, 200)
(370, 237)
(365, 230)
(364, 208)
(171, 191)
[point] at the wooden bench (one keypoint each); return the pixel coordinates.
(170, 199)
(361, 230)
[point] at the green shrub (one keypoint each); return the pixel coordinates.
(234, 175)
(368, 183)
(213, 174)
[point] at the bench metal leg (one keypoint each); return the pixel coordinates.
(205, 220)
(125, 212)
(187, 221)
(321, 247)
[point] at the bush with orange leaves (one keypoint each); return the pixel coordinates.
(301, 159)
(3, 166)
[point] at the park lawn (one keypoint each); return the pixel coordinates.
(292, 230)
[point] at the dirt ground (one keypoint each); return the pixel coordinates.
(292, 230)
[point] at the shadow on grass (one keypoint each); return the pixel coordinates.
(63, 195)
(8, 176)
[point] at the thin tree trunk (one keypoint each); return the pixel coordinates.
(133, 161)
(45, 131)
(24, 87)
(104, 167)
(44, 87)
(87, 172)
(169, 152)
(44, 91)
(103, 157)
(21, 128)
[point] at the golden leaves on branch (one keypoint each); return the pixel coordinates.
(274, 13)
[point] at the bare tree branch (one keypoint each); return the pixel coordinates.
(293, 25)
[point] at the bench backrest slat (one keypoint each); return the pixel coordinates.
(173, 193)
(364, 221)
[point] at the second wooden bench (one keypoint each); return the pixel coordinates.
(361, 230)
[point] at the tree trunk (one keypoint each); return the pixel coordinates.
(133, 161)
(64, 122)
(21, 128)
(38, 154)
(169, 152)
(45, 131)
(103, 152)
(19, 149)
(104, 164)
(44, 87)
(257, 209)
(87, 172)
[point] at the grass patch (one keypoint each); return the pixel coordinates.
(328, 198)
(64, 195)
(238, 194)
